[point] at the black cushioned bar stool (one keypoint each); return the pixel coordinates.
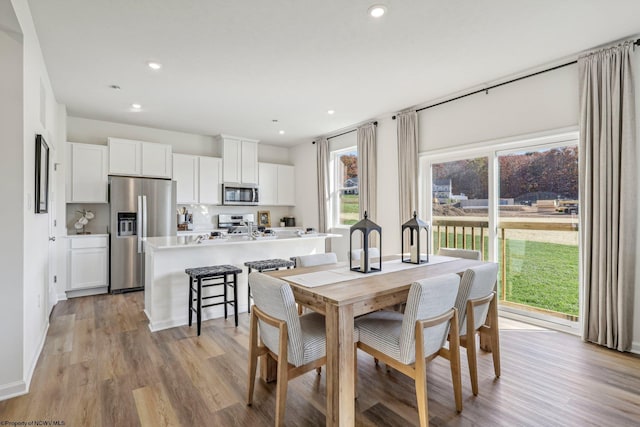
(215, 275)
(265, 265)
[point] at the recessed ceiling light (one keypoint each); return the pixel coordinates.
(377, 10)
(136, 106)
(115, 87)
(275, 120)
(330, 112)
(154, 65)
(281, 132)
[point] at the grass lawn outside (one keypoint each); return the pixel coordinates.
(349, 209)
(539, 274)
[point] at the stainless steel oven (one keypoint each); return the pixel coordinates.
(239, 194)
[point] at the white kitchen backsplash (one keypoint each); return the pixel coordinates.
(206, 216)
(98, 225)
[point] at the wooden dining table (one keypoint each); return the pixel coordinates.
(341, 302)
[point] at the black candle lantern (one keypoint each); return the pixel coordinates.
(366, 227)
(415, 225)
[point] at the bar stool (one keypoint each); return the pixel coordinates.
(261, 266)
(223, 275)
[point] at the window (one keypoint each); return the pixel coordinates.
(345, 187)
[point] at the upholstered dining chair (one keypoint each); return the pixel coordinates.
(461, 253)
(298, 343)
(407, 342)
(316, 259)
(478, 311)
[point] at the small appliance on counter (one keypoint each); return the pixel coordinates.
(289, 221)
(236, 223)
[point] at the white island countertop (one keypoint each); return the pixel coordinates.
(166, 294)
(174, 242)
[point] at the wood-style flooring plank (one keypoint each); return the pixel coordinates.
(101, 366)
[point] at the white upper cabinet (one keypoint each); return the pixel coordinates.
(139, 158)
(87, 177)
(249, 155)
(185, 173)
(268, 180)
(286, 185)
(156, 160)
(198, 179)
(239, 160)
(125, 157)
(277, 185)
(210, 177)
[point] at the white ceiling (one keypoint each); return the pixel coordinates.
(232, 66)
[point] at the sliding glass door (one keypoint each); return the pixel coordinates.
(516, 202)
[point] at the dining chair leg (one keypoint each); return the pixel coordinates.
(281, 386)
(454, 360)
(473, 362)
(421, 391)
(319, 370)
(495, 335)
(253, 357)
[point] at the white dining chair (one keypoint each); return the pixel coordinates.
(297, 343)
(478, 311)
(461, 253)
(407, 342)
(316, 259)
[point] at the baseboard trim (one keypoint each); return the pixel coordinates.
(635, 347)
(86, 292)
(14, 389)
(36, 356)
(61, 297)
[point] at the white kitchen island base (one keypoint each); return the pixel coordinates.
(166, 284)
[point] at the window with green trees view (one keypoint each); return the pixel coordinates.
(346, 186)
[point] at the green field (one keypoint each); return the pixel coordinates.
(543, 275)
(349, 209)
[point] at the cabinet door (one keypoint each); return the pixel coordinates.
(156, 160)
(249, 162)
(185, 173)
(88, 268)
(89, 179)
(210, 177)
(231, 159)
(286, 185)
(125, 157)
(268, 181)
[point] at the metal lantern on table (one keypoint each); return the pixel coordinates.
(415, 226)
(366, 227)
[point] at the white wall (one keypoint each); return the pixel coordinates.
(537, 104)
(26, 281)
(11, 220)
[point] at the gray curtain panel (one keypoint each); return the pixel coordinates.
(407, 128)
(368, 173)
(608, 196)
(322, 146)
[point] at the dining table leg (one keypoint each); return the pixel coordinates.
(340, 366)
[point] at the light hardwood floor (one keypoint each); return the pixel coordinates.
(101, 366)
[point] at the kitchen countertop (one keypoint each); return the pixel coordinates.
(172, 242)
(83, 236)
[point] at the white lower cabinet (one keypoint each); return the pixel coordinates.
(88, 262)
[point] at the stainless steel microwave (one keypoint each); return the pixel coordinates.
(239, 194)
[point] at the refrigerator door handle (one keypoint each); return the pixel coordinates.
(144, 216)
(140, 225)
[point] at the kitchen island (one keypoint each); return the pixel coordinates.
(166, 284)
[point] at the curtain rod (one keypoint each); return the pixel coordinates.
(487, 89)
(344, 133)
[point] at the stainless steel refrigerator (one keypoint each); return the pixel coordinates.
(140, 208)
